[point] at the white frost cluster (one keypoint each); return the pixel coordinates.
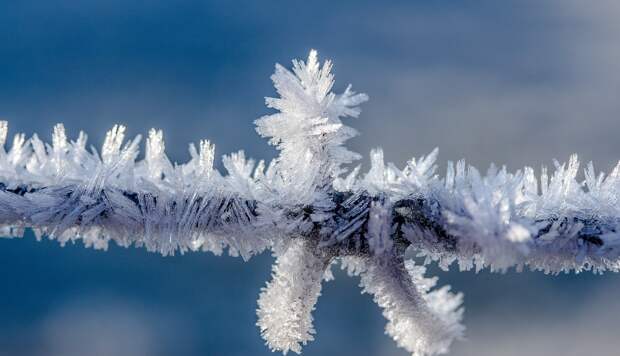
(308, 126)
(311, 211)
(67, 192)
(421, 320)
(501, 219)
(285, 305)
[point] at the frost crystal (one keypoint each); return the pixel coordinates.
(311, 211)
(308, 124)
(286, 304)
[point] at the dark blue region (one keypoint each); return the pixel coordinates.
(200, 69)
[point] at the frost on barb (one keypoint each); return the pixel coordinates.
(422, 320)
(285, 305)
(308, 126)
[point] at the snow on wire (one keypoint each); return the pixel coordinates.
(312, 212)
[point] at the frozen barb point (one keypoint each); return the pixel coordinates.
(285, 305)
(311, 211)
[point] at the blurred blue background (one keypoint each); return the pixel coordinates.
(514, 82)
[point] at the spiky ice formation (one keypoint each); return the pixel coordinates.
(285, 305)
(308, 124)
(421, 320)
(311, 212)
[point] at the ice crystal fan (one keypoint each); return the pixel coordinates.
(311, 211)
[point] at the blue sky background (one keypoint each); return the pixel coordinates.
(514, 82)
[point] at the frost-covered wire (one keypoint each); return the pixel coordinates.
(311, 211)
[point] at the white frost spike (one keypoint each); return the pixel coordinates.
(285, 305)
(240, 173)
(308, 121)
(155, 157)
(18, 155)
(418, 174)
(4, 131)
(60, 147)
(112, 144)
(376, 179)
(59, 139)
(425, 322)
(202, 160)
(119, 159)
(207, 155)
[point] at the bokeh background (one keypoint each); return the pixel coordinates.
(513, 82)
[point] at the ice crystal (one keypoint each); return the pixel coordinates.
(312, 211)
(285, 305)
